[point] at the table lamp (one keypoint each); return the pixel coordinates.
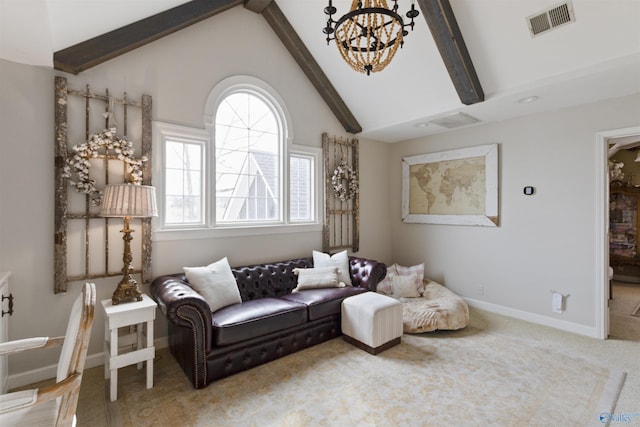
(128, 201)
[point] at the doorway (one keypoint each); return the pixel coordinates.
(623, 139)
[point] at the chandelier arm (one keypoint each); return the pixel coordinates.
(368, 11)
(386, 24)
(360, 25)
(381, 46)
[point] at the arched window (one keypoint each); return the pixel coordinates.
(241, 172)
(249, 144)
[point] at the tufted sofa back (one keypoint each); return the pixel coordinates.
(268, 280)
(275, 279)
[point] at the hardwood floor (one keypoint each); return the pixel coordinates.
(624, 319)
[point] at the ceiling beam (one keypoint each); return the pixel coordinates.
(107, 46)
(282, 27)
(447, 36)
(256, 6)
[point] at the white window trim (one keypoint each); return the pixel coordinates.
(318, 196)
(210, 229)
(161, 132)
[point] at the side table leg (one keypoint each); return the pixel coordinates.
(150, 361)
(105, 348)
(113, 372)
(139, 328)
(113, 394)
(150, 373)
(106, 360)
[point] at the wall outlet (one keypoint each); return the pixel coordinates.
(557, 302)
(481, 291)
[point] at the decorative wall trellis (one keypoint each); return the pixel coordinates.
(342, 216)
(75, 217)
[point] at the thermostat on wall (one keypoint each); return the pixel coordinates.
(529, 191)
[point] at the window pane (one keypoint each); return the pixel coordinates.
(237, 105)
(228, 161)
(183, 210)
(183, 182)
(265, 142)
(174, 184)
(300, 188)
(248, 146)
(174, 152)
(231, 138)
(193, 183)
(193, 156)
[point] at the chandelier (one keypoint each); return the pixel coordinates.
(369, 35)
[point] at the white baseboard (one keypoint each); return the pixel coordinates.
(41, 374)
(538, 319)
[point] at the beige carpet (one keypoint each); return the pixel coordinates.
(463, 378)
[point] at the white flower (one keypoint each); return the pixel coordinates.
(106, 140)
(344, 172)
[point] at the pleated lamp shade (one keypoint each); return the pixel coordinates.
(129, 200)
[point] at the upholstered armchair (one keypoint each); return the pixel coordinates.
(54, 405)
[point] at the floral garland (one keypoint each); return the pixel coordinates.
(344, 190)
(80, 165)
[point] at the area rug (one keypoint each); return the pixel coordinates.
(462, 378)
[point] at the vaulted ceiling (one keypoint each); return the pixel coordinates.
(596, 57)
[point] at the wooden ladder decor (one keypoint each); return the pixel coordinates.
(77, 214)
(341, 228)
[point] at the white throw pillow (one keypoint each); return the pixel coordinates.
(404, 287)
(321, 277)
(415, 271)
(215, 283)
(385, 286)
(340, 260)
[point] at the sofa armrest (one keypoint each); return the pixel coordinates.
(366, 273)
(183, 306)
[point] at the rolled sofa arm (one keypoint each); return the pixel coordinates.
(183, 306)
(366, 273)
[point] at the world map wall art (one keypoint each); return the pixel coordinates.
(452, 187)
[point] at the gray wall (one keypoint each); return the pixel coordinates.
(544, 242)
(179, 72)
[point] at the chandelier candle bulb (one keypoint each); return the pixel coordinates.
(369, 35)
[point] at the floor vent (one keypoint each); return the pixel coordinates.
(551, 19)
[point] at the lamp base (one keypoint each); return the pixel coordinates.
(126, 291)
(127, 288)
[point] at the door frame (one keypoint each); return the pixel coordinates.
(602, 225)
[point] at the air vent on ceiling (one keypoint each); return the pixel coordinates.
(551, 19)
(454, 120)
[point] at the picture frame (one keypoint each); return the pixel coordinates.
(455, 187)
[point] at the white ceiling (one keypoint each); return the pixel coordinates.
(596, 57)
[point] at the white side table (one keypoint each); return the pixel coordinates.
(127, 314)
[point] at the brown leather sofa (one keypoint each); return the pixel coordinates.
(269, 323)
